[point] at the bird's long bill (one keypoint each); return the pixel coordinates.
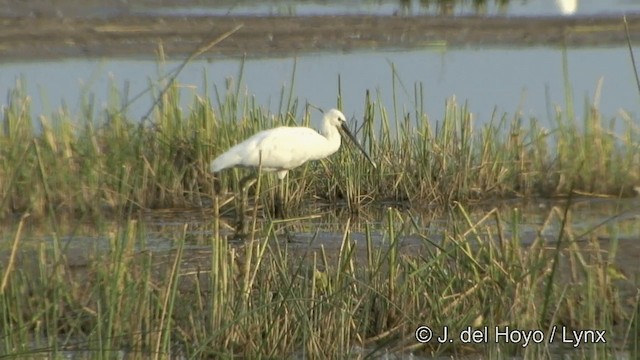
(353, 140)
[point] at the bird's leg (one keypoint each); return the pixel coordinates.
(217, 185)
(216, 206)
(245, 184)
(279, 205)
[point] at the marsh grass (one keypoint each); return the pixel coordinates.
(271, 298)
(87, 164)
(274, 299)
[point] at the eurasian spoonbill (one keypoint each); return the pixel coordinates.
(284, 148)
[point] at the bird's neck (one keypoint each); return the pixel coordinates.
(333, 137)
(331, 133)
(329, 130)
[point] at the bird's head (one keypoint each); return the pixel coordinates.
(336, 118)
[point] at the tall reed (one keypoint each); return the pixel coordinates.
(272, 298)
(87, 165)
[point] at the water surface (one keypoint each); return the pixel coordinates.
(526, 81)
(110, 8)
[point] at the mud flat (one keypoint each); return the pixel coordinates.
(141, 36)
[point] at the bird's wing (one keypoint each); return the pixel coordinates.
(286, 147)
(281, 148)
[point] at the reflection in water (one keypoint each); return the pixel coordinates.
(602, 219)
(142, 275)
(567, 7)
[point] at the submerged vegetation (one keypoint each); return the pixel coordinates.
(273, 298)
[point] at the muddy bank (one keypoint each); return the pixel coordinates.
(140, 37)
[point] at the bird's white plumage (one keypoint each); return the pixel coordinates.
(567, 7)
(284, 148)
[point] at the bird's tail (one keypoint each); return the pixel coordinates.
(226, 160)
(215, 166)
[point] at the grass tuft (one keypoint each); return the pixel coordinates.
(116, 164)
(366, 297)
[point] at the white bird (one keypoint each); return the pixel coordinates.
(284, 148)
(567, 7)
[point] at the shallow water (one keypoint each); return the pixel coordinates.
(93, 8)
(527, 81)
(524, 80)
(606, 220)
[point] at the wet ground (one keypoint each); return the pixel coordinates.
(601, 228)
(323, 228)
(46, 34)
(141, 36)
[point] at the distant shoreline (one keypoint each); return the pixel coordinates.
(32, 38)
